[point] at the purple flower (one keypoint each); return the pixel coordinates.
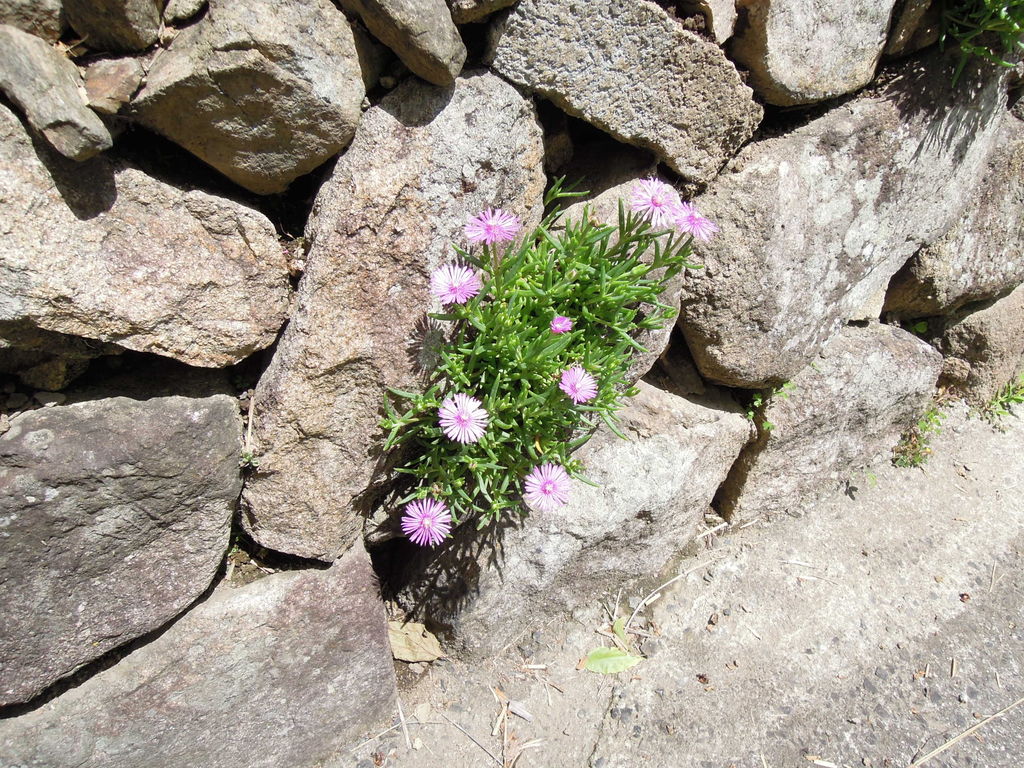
(689, 220)
(426, 522)
(463, 419)
(655, 200)
(546, 487)
(561, 324)
(454, 284)
(492, 226)
(579, 385)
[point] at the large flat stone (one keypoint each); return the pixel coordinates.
(423, 161)
(290, 670)
(844, 411)
(633, 71)
(982, 256)
(815, 222)
(653, 492)
(47, 88)
(113, 255)
(265, 102)
(115, 516)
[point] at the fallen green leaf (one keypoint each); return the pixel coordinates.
(609, 661)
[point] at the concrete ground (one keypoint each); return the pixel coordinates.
(882, 627)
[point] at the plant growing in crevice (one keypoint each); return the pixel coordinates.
(999, 406)
(914, 446)
(542, 331)
(987, 29)
(760, 400)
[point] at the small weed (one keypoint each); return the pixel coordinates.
(914, 447)
(248, 460)
(988, 29)
(759, 401)
(999, 406)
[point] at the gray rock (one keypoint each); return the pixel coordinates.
(115, 25)
(654, 490)
(664, 89)
(982, 256)
(841, 413)
(719, 17)
(915, 26)
(114, 255)
(115, 517)
(799, 53)
(466, 11)
(290, 670)
(423, 161)
(111, 83)
(42, 18)
(816, 222)
(178, 11)
(46, 86)
(420, 32)
(984, 348)
(262, 103)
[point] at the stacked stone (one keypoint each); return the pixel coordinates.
(855, 189)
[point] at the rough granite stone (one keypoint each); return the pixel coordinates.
(420, 32)
(982, 256)
(798, 53)
(262, 102)
(115, 515)
(841, 413)
(111, 83)
(114, 255)
(815, 222)
(47, 88)
(115, 25)
(42, 18)
(631, 70)
(178, 11)
(423, 161)
(984, 347)
(290, 670)
(654, 490)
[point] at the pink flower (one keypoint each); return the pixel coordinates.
(454, 284)
(689, 220)
(655, 200)
(463, 419)
(546, 487)
(561, 324)
(426, 522)
(492, 226)
(579, 385)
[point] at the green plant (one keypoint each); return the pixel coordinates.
(914, 446)
(999, 406)
(504, 352)
(248, 460)
(760, 400)
(989, 29)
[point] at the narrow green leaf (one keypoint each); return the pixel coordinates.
(610, 661)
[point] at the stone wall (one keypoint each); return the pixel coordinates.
(217, 228)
